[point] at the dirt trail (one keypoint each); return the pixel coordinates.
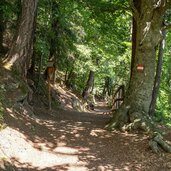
(66, 140)
(73, 141)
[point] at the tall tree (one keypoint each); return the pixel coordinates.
(133, 113)
(53, 42)
(21, 51)
(107, 89)
(2, 25)
(89, 85)
(54, 28)
(158, 76)
(134, 38)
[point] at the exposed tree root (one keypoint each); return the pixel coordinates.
(157, 141)
(125, 120)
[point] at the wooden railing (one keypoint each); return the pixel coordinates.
(118, 97)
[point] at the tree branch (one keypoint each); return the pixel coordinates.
(134, 9)
(166, 27)
(162, 5)
(166, 4)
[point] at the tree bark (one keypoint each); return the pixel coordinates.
(54, 29)
(33, 64)
(136, 104)
(2, 27)
(158, 76)
(134, 37)
(31, 70)
(134, 112)
(68, 77)
(54, 39)
(21, 50)
(89, 85)
(133, 45)
(107, 87)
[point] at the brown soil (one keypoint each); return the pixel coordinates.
(66, 140)
(73, 141)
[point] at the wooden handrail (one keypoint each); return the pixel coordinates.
(118, 97)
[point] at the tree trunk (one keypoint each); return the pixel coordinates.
(1, 32)
(2, 27)
(53, 40)
(158, 76)
(89, 85)
(134, 112)
(31, 70)
(133, 45)
(33, 64)
(136, 104)
(54, 29)
(106, 86)
(68, 77)
(21, 50)
(134, 37)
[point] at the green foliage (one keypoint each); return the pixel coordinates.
(95, 35)
(90, 35)
(164, 100)
(86, 39)
(10, 11)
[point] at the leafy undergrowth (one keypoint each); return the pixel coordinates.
(163, 117)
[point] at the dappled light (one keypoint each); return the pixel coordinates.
(51, 143)
(85, 85)
(24, 152)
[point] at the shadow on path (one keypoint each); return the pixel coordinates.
(71, 141)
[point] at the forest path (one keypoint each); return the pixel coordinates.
(73, 141)
(66, 140)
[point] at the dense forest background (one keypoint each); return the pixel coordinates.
(83, 38)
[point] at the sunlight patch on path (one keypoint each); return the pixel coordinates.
(15, 145)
